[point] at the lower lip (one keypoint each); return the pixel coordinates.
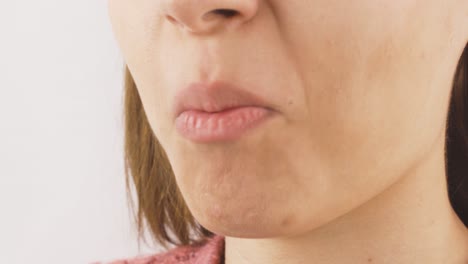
(226, 125)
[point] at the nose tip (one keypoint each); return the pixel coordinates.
(204, 16)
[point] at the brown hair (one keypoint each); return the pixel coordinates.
(160, 203)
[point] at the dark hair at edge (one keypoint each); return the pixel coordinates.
(161, 208)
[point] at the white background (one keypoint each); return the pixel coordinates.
(62, 190)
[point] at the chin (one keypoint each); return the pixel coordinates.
(243, 228)
(244, 219)
(240, 228)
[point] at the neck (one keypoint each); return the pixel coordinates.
(412, 221)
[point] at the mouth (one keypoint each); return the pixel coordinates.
(218, 111)
(226, 125)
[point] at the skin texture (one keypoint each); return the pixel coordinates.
(351, 168)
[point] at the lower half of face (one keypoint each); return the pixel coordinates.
(362, 91)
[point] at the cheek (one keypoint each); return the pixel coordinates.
(134, 26)
(376, 91)
(122, 20)
(362, 48)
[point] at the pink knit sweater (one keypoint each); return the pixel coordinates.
(212, 252)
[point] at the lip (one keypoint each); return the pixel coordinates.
(226, 125)
(218, 112)
(215, 97)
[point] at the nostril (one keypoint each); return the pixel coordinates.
(225, 12)
(171, 19)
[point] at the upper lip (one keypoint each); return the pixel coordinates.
(214, 97)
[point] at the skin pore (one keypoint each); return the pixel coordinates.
(351, 167)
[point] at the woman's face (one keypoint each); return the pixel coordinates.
(361, 90)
